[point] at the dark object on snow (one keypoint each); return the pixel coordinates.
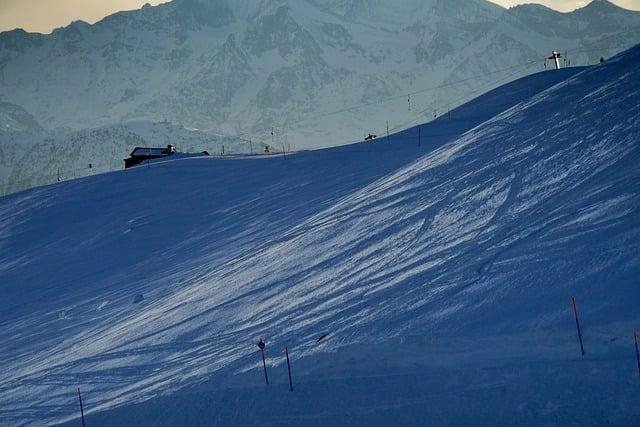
(262, 345)
(321, 338)
(286, 351)
(370, 137)
(635, 342)
(601, 59)
(140, 154)
(138, 298)
(575, 312)
(81, 408)
(555, 56)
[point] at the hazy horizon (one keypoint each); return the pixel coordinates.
(43, 16)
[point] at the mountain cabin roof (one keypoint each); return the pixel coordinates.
(153, 151)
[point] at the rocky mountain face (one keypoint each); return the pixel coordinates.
(316, 72)
(30, 158)
(19, 131)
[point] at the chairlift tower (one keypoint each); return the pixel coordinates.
(556, 57)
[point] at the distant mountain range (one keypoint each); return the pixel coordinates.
(317, 72)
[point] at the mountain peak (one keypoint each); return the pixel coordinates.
(597, 7)
(19, 40)
(601, 5)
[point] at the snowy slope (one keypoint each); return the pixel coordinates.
(441, 271)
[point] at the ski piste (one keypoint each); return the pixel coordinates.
(442, 273)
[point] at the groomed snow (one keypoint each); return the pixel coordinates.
(442, 273)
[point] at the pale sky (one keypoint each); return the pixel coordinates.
(45, 15)
(566, 5)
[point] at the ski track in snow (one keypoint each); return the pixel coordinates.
(473, 236)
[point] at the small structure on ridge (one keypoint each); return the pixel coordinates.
(556, 56)
(141, 154)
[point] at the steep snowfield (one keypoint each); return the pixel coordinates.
(441, 272)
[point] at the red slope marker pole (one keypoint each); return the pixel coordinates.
(81, 409)
(286, 352)
(575, 312)
(264, 363)
(635, 341)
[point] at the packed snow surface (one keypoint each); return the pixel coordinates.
(439, 263)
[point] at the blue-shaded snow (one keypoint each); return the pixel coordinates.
(468, 245)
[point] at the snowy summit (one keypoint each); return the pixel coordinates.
(316, 73)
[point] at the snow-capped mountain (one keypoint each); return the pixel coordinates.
(304, 69)
(30, 157)
(247, 66)
(19, 132)
(15, 119)
(438, 265)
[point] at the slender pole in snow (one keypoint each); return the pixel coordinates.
(81, 409)
(264, 363)
(251, 145)
(387, 130)
(635, 342)
(286, 352)
(575, 312)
